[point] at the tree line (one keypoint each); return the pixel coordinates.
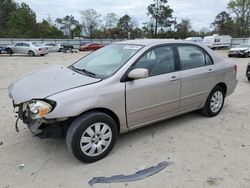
(19, 20)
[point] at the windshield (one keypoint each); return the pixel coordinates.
(106, 61)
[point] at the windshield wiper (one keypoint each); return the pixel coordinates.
(85, 71)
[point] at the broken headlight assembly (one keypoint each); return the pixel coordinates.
(40, 108)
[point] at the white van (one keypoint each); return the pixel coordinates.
(194, 39)
(217, 41)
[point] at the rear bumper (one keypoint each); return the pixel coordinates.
(231, 85)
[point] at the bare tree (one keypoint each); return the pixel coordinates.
(111, 20)
(91, 21)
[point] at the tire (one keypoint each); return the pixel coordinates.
(230, 55)
(60, 50)
(248, 79)
(9, 50)
(247, 54)
(31, 53)
(84, 141)
(217, 97)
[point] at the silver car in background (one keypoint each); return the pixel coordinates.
(242, 50)
(29, 48)
(52, 47)
(119, 88)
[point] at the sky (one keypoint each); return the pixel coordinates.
(201, 12)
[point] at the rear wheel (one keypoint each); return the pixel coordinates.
(214, 102)
(91, 136)
(31, 53)
(247, 54)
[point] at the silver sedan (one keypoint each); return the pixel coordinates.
(119, 88)
(29, 48)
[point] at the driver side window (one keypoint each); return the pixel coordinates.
(158, 61)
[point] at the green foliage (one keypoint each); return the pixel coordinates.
(47, 30)
(18, 20)
(70, 25)
(241, 9)
(160, 14)
(22, 22)
(224, 24)
(183, 29)
(125, 26)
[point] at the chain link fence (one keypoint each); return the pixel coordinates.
(77, 42)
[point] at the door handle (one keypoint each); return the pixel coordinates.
(210, 70)
(174, 78)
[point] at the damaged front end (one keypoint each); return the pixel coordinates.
(32, 114)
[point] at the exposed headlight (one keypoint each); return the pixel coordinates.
(39, 108)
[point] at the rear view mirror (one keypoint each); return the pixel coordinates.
(138, 74)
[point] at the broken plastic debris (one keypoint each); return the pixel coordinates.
(133, 177)
(21, 166)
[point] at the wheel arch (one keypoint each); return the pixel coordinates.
(108, 112)
(31, 51)
(223, 86)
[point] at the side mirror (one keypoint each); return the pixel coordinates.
(138, 74)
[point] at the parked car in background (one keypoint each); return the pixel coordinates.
(248, 72)
(194, 39)
(52, 47)
(242, 50)
(217, 41)
(67, 47)
(3, 50)
(119, 88)
(30, 48)
(90, 47)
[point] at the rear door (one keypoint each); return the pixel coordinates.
(157, 96)
(197, 76)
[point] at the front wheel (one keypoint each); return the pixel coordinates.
(214, 102)
(91, 136)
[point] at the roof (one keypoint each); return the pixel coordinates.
(146, 42)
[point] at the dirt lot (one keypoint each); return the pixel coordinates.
(206, 152)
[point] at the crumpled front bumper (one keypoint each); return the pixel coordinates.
(236, 53)
(25, 115)
(43, 128)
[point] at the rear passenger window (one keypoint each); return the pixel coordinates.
(208, 60)
(193, 57)
(158, 61)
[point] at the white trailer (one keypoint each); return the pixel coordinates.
(218, 41)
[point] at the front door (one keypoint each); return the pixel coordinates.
(156, 97)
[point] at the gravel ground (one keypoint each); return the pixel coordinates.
(205, 152)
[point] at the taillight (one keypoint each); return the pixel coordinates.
(235, 70)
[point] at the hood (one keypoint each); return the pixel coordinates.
(47, 82)
(238, 49)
